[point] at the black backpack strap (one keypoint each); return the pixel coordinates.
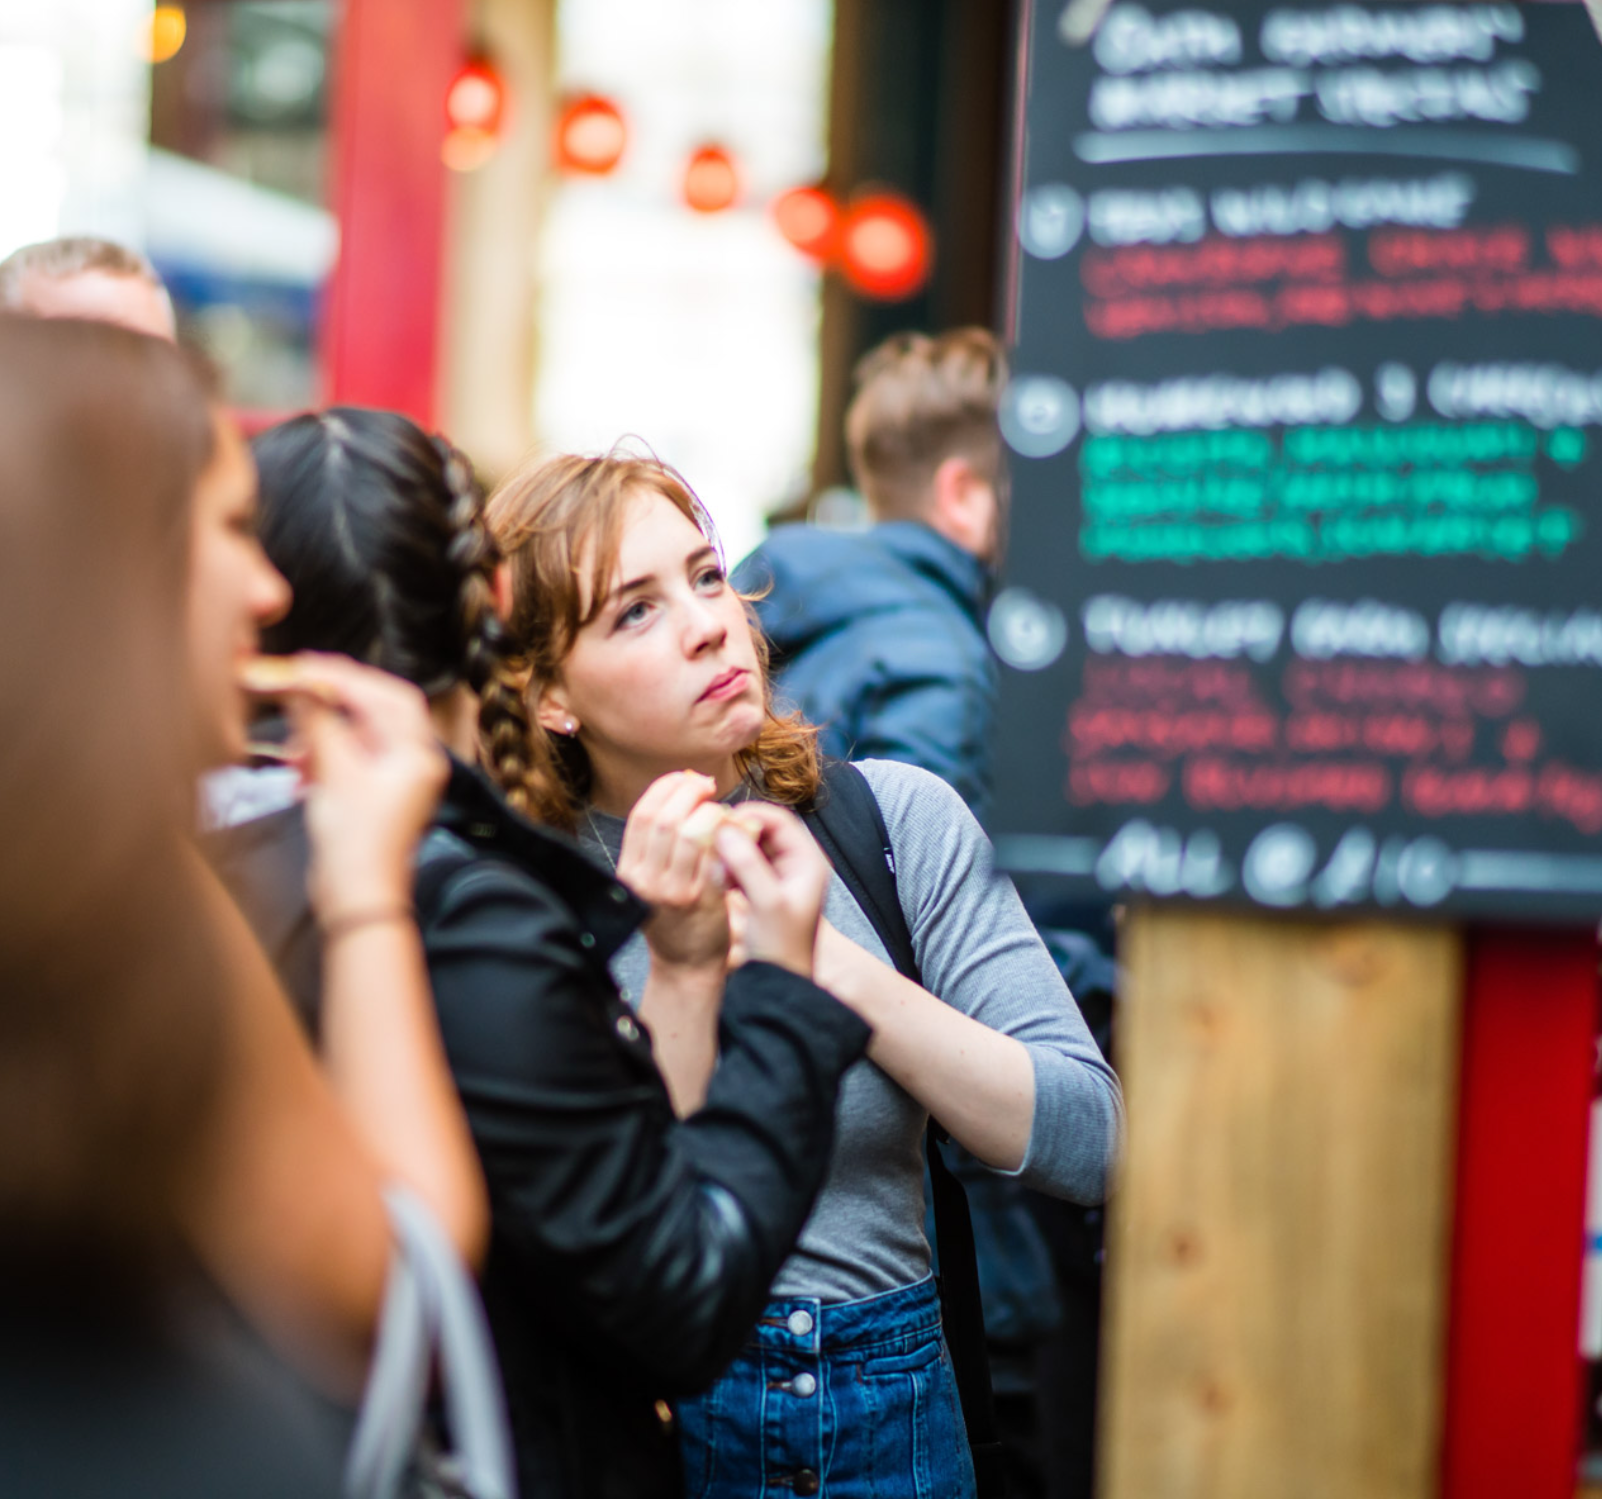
(849, 827)
(963, 1314)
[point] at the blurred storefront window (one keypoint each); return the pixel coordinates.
(236, 192)
(694, 330)
(73, 111)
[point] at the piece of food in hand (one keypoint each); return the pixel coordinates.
(702, 825)
(748, 822)
(279, 676)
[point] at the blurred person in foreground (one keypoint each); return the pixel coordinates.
(83, 277)
(630, 1250)
(877, 635)
(165, 1134)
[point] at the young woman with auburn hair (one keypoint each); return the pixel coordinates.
(630, 1250)
(639, 660)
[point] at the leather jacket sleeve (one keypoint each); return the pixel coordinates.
(655, 1237)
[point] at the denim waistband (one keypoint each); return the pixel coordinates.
(804, 1324)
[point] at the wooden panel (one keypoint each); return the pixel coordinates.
(1514, 1386)
(1279, 1238)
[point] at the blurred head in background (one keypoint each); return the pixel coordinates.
(108, 1036)
(922, 438)
(380, 530)
(83, 277)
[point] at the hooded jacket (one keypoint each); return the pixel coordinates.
(877, 638)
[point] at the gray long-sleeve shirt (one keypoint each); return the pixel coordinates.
(978, 952)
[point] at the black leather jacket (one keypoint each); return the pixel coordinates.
(631, 1252)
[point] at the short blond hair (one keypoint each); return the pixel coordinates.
(921, 400)
(72, 255)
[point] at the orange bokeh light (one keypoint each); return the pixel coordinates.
(711, 182)
(886, 248)
(467, 148)
(591, 135)
(163, 33)
(808, 217)
(477, 97)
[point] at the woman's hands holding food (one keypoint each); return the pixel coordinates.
(369, 755)
(773, 863)
(667, 860)
(707, 868)
(373, 769)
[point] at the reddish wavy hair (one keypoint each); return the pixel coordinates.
(555, 518)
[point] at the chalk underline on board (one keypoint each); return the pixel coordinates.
(1527, 153)
(1487, 869)
(1041, 853)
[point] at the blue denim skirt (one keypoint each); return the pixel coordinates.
(844, 1399)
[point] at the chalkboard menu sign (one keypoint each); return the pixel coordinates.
(1303, 601)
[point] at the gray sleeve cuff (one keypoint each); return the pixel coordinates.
(1077, 1130)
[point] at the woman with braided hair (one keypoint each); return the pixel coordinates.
(630, 1249)
(386, 524)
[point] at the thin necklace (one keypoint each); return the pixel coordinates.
(595, 832)
(742, 792)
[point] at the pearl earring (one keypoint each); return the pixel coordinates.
(570, 727)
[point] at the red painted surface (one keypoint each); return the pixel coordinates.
(394, 67)
(1513, 1375)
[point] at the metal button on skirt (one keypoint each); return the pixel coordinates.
(848, 1400)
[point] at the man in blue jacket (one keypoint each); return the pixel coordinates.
(877, 635)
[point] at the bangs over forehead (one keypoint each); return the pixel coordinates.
(560, 524)
(601, 517)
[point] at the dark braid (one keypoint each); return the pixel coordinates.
(380, 530)
(503, 721)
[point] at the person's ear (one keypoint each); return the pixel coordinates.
(964, 506)
(501, 591)
(553, 713)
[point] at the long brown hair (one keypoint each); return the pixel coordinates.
(110, 1006)
(553, 517)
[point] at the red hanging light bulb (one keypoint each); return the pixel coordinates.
(591, 135)
(711, 180)
(810, 219)
(886, 247)
(476, 110)
(477, 97)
